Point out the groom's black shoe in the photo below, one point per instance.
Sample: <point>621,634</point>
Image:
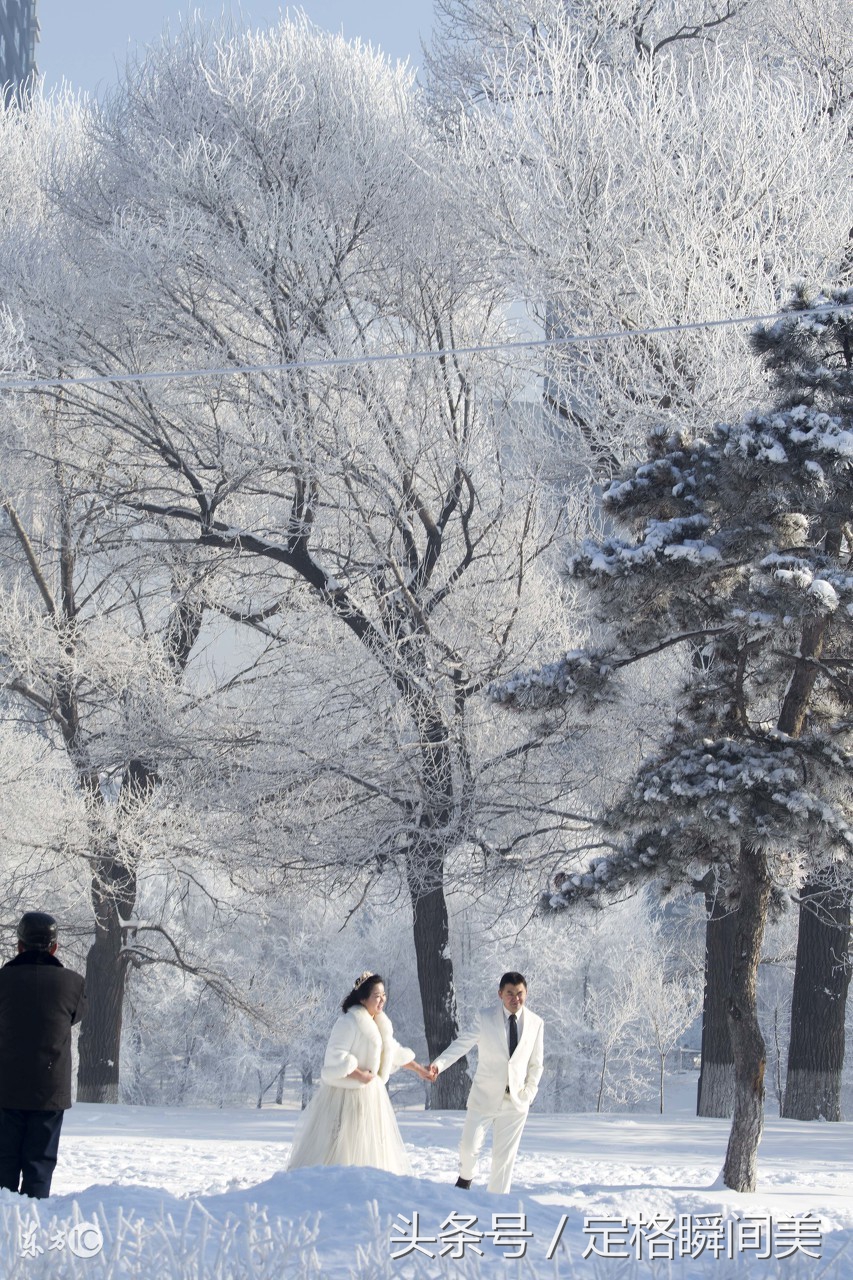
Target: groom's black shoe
<point>465,1183</point>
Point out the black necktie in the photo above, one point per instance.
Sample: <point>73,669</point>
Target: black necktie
<point>513,1034</point>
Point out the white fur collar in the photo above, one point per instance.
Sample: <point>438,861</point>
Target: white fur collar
<point>383,1026</point>
<point>366,1024</point>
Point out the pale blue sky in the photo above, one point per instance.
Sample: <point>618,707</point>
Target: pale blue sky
<point>85,40</point>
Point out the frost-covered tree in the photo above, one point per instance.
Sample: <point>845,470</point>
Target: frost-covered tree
<point>644,178</point>
<point>629,199</point>
<point>93,660</point>
<point>471,37</point>
<point>669,996</point>
<point>810,37</point>
<point>274,201</point>
<point>737,541</point>
<point>97,632</point>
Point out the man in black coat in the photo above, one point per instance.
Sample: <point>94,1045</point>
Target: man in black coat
<point>40,1001</point>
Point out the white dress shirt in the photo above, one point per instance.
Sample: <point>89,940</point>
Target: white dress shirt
<point>519,1022</point>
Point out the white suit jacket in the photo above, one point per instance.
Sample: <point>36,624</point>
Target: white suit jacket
<point>495,1068</point>
<point>357,1040</point>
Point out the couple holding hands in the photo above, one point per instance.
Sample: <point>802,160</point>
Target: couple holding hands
<point>350,1120</point>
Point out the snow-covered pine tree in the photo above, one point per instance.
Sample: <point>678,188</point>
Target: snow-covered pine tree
<point>814,365</point>
<point>738,541</point>
<point>809,366</point>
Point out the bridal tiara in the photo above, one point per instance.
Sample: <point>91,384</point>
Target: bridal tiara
<point>368,973</point>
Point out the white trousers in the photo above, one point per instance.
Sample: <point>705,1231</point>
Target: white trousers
<point>507,1123</point>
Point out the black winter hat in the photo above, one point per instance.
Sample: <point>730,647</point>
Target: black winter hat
<point>37,930</point>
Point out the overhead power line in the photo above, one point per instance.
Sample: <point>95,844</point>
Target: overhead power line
<point>384,357</point>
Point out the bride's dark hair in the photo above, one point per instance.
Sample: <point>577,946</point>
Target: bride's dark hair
<point>361,991</point>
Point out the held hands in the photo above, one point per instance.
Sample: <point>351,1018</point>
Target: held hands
<point>363,1076</point>
<point>425,1073</point>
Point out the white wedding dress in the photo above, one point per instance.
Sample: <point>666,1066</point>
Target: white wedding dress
<point>348,1122</point>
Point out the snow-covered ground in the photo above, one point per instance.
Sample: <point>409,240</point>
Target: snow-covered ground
<point>202,1194</point>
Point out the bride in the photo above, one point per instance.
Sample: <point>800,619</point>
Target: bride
<point>350,1119</point>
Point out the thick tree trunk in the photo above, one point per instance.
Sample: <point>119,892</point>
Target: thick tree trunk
<point>113,891</point>
<point>425,871</point>
<point>716,1090</point>
<point>435,978</point>
<point>739,1170</point>
<point>821,980</point>
<point>816,1051</point>
<point>113,900</point>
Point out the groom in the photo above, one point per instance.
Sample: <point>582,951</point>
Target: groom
<point>509,1040</point>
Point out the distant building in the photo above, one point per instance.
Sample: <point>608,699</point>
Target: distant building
<point>19,31</point>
